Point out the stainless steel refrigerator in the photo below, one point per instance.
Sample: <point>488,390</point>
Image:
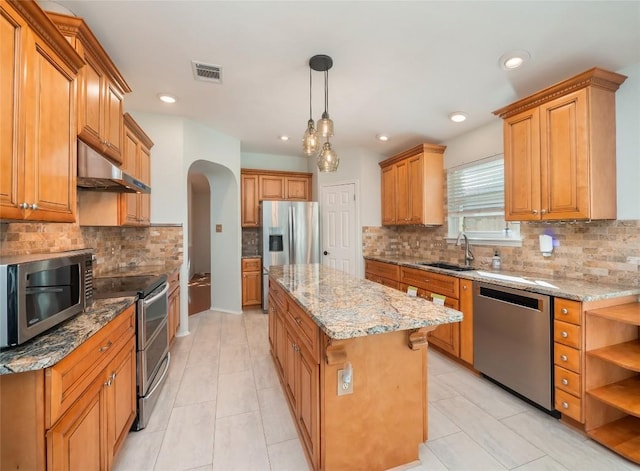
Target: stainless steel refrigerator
<point>289,234</point>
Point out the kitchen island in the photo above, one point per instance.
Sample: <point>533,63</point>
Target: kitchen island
<point>325,324</point>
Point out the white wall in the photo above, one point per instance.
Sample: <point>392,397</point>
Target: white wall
<point>201,229</point>
<point>276,162</point>
<point>487,141</point>
<point>179,143</point>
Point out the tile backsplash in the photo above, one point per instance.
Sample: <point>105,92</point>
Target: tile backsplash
<point>596,251</point>
<point>250,241</point>
<point>115,247</point>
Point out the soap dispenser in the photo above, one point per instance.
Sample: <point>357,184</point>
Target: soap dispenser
<point>496,263</point>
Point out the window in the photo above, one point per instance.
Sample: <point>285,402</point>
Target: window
<point>476,203</point>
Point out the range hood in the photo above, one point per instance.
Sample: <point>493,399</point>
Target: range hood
<point>96,173</point>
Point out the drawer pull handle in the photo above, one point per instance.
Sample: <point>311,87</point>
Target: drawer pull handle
<point>298,321</point>
<point>565,405</point>
<point>564,335</point>
<point>563,357</point>
<point>106,347</point>
<point>564,381</point>
<point>564,310</point>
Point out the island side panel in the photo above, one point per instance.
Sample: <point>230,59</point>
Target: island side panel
<point>382,423</point>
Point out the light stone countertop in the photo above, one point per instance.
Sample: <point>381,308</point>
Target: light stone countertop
<point>345,307</point>
<point>50,347</point>
<point>577,290</point>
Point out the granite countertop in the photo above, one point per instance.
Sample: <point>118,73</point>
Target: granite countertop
<point>345,307</point>
<point>50,347</point>
<point>567,288</point>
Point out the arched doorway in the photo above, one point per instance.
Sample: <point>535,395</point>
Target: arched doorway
<point>199,242</point>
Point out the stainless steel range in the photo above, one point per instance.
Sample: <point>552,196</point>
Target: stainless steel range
<point>152,339</point>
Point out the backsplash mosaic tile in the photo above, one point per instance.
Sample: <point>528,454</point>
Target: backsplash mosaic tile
<point>250,241</point>
<point>596,251</point>
<point>115,247</point>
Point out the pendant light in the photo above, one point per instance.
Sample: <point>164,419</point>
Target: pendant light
<point>310,140</point>
<point>327,158</point>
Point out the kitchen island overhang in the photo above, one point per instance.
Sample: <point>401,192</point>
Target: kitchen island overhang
<point>323,320</point>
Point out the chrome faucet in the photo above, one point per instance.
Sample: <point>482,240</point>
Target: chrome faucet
<point>468,256</point>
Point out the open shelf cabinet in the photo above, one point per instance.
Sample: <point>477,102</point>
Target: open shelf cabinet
<point>613,378</point>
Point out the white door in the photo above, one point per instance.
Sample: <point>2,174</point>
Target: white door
<point>338,208</point>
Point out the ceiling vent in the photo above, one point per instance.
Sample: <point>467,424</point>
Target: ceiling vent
<point>206,72</point>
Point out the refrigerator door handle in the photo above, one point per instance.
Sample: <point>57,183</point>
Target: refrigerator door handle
<point>291,236</point>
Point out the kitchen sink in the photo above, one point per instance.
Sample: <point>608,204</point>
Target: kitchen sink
<point>446,266</point>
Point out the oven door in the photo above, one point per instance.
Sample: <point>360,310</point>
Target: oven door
<point>150,358</point>
<point>152,312</point>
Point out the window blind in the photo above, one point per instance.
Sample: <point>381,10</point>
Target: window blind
<point>477,189</point>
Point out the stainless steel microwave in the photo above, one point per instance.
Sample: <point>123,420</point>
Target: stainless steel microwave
<point>38,292</point>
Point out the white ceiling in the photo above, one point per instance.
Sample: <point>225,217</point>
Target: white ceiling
<point>399,67</point>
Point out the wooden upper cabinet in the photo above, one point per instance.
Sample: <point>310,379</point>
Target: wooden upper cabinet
<point>37,136</point>
<point>135,208</point>
<point>560,150</point>
<point>101,90</point>
<point>258,185</point>
<point>412,186</point>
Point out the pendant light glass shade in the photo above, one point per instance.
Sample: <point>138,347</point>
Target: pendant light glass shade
<point>310,141</point>
<point>325,125</point>
<point>328,160</point>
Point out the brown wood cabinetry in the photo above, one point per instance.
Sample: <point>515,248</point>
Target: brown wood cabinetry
<point>135,208</point>
<point>38,116</point>
<point>331,426</point>
<point>100,91</point>
<point>77,413</point>
<point>386,274</point>
<point>412,186</point>
<point>560,150</point>
<point>251,281</point>
<point>258,185</point>
<point>613,378</point>
<point>174,304</point>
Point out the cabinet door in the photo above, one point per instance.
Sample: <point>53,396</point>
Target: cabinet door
<point>50,139</point>
<point>271,187</point>
<point>564,152</point>
<point>403,193</point>
<point>297,188</point>
<point>415,188</point>
<point>113,122</point>
<point>281,340</point>
<point>388,192</point>
<point>78,440</point>
<point>91,86</point>
<point>290,368</point>
<point>272,323</point>
<point>466,326</point>
<point>308,373</point>
<point>251,288</point>
<point>129,201</point>
<point>12,39</point>
<point>174,313</point>
<point>522,166</point>
<point>144,200</point>
<point>249,199</point>
<point>121,397</point>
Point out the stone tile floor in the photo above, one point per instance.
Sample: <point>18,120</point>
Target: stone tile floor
<point>222,409</point>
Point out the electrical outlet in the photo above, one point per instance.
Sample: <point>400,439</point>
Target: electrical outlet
<point>344,387</point>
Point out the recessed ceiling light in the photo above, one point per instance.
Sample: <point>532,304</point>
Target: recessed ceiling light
<point>458,116</point>
<point>514,59</point>
<point>166,98</point>
<point>283,138</point>
<point>382,137</point>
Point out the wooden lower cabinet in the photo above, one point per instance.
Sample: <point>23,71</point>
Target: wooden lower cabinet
<point>251,281</point>
<point>174,305</point>
<point>372,428</point>
<point>89,430</point>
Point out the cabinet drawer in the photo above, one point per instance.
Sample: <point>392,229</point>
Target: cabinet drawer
<point>305,328</point>
<point>569,405</point>
<point>382,269</point>
<point>67,379</point>
<point>173,280</point>
<point>567,357</point>
<point>433,282</point>
<point>383,281</point>
<point>278,294</point>
<point>251,264</point>
<point>567,334</point>
<point>567,381</point>
<point>567,311</point>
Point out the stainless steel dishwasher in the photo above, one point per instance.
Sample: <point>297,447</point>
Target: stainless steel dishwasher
<point>513,340</point>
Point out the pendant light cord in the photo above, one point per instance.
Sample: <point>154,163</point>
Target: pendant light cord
<point>310,95</point>
<point>326,91</point>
